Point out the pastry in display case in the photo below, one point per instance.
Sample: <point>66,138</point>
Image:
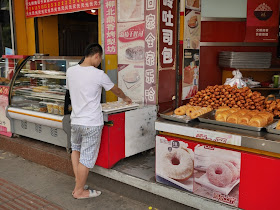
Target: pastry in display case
<point>36,99</point>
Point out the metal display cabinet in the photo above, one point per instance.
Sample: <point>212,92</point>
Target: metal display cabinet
<point>36,99</point>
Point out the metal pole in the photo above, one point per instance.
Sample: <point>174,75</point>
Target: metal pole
<point>11,25</point>
<point>177,56</point>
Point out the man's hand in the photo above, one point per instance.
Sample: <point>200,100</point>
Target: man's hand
<point>119,93</point>
<point>127,100</point>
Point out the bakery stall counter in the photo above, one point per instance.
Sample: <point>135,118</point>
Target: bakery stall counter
<point>239,167</point>
<point>36,99</point>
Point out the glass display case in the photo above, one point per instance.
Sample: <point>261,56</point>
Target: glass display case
<point>36,100</point>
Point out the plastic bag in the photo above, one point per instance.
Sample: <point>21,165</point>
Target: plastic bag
<point>236,80</point>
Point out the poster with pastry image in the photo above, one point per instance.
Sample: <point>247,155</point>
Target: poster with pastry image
<point>131,81</point>
<point>190,73</point>
<point>174,163</point>
<point>192,29</point>
<point>131,45</point>
<point>217,174</point>
<point>193,4</point>
<point>130,10</point>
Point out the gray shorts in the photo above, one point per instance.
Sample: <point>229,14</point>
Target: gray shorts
<point>86,140</point>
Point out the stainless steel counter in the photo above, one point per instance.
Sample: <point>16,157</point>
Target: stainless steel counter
<point>245,138</point>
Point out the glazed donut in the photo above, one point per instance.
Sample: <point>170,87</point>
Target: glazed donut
<point>190,110</point>
<point>235,172</point>
<point>178,164</point>
<point>180,111</point>
<point>219,174</point>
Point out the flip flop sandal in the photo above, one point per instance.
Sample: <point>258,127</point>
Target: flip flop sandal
<point>86,187</point>
<point>92,194</point>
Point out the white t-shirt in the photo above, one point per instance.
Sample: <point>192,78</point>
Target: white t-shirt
<point>85,87</point>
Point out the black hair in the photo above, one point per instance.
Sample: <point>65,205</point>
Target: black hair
<point>91,50</point>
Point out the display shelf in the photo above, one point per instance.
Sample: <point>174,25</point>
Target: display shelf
<point>270,69</point>
<point>45,76</point>
<point>263,88</point>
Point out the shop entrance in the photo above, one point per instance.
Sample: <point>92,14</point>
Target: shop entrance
<point>76,31</point>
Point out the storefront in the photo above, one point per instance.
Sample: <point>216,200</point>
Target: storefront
<point>161,53</point>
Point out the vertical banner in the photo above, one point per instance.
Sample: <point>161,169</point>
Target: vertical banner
<point>110,26</point>
<point>131,48</point>
<point>5,126</point>
<point>192,34</point>
<point>38,8</point>
<point>150,51</point>
<point>167,34</point>
<point>262,21</point>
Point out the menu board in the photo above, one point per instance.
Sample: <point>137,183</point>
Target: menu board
<point>37,8</point>
<point>262,21</point>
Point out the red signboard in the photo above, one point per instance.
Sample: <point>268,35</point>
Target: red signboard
<point>262,21</point>
<point>37,8</point>
<point>150,51</point>
<point>167,34</point>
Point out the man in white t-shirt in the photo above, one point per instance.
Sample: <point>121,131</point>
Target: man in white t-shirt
<point>85,83</point>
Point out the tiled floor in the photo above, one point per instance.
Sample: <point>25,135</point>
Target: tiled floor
<point>15,197</point>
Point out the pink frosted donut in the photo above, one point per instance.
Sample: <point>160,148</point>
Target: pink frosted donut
<point>235,172</point>
<point>219,174</point>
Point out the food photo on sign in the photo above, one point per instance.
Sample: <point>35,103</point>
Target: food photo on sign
<point>190,73</point>
<point>192,29</point>
<point>175,163</point>
<point>130,10</point>
<point>217,174</point>
<point>193,4</point>
<point>131,45</point>
<point>131,81</point>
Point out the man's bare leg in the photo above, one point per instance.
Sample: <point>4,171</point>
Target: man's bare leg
<point>82,174</point>
<point>75,157</point>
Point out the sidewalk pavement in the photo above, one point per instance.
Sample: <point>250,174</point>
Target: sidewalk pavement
<point>27,185</point>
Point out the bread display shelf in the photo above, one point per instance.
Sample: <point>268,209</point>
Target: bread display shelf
<point>45,76</point>
<point>210,118</point>
<point>271,128</point>
<point>176,118</point>
<point>30,94</point>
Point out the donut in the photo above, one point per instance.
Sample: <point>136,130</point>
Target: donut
<point>235,172</point>
<point>178,165</point>
<point>219,174</point>
<point>180,111</point>
<point>190,110</point>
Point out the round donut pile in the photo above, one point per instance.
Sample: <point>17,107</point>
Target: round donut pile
<point>223,173</point>
<point>225,95</point>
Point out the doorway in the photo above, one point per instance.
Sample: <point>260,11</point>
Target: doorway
<point>76,31</point>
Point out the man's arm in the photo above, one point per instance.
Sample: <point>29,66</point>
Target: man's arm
<point>119,93</point>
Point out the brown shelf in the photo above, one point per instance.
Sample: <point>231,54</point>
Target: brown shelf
<point>263,88</point>
<point>270,69</point>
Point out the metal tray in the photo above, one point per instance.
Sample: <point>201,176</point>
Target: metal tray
<point>118,109</point>
<point>171,116</point>
<point>271,128</point>
<point>210,118</point>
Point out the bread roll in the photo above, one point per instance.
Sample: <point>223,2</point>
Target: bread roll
<point>244,119</point>
<point>278,125</point>
<point>222,116</point>
<point>268,116</point>
<point>233,118</point>
<point>257,121</point>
